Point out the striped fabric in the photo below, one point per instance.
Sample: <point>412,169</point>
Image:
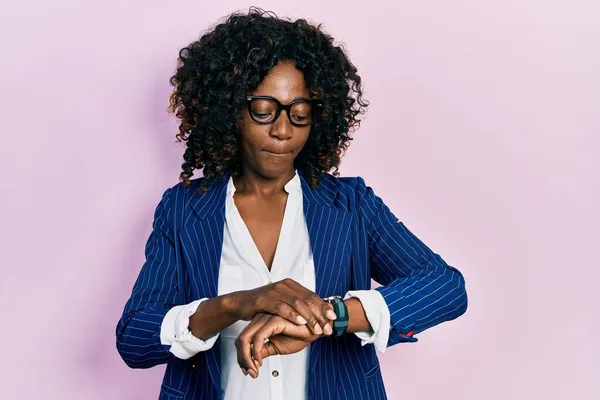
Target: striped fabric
<point>354,237</point>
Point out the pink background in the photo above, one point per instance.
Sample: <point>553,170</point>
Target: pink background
<point>482,137</point>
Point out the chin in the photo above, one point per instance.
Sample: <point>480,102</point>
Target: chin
<point>272,168</point>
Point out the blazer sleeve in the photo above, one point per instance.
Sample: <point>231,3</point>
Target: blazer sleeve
<point>420,289</point>
<point>153,295</point>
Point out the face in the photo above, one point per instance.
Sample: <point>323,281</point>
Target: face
<point>270,150</point>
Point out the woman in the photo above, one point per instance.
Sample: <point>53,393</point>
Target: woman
<point>257,277</point>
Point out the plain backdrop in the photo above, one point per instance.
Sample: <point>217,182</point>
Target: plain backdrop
<point>482,136</point>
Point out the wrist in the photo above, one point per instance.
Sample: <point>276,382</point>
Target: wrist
<point>357,319</point>
<point>340,324</point>
<point>195,322</point>
<point>240,305</point>
<point>231,305</point>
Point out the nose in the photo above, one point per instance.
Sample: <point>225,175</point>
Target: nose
<point>282,128</point>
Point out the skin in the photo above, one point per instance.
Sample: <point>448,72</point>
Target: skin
<point>285,312</point>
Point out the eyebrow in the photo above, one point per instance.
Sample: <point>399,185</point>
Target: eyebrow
<point>282,102</point>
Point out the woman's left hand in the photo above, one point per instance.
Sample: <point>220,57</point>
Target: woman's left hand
<point>284,337</point>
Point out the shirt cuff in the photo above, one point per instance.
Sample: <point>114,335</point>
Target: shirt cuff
<point>174,332</point>
<point>378,315</point>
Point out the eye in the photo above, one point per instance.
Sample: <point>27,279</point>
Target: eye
<point>260,115</point>
<point>299,117</point>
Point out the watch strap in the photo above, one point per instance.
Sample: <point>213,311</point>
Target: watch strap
<point>340,324</point>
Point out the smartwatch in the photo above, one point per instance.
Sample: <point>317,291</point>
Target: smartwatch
<point>340,324</point>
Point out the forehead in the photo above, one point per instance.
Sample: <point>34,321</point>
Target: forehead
<point>284,82</point>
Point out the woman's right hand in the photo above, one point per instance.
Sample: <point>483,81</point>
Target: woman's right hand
<point>290,300</point>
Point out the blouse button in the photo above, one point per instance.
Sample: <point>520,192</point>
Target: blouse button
<point>275,374</point>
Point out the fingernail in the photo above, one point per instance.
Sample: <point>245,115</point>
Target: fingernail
<point>331,314</point>
<point>318,329</point>
<point>301,320</point>
<point>244,372</point>
<point>327,329</point>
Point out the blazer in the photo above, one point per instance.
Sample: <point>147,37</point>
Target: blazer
<point>354,237</point>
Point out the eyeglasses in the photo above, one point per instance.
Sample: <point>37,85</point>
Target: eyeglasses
<point>266,109</point>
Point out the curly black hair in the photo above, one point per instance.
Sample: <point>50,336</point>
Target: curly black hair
<point>216,73</point>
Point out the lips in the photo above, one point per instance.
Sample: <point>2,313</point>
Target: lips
<point>278,153</point>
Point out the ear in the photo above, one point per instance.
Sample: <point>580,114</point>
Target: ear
<point>239,124</point>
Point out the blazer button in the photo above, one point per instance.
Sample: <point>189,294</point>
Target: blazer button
<point>275,374</point>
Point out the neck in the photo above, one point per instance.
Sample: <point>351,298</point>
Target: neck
<point>251,182</point>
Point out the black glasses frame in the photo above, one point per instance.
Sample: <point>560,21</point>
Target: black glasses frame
<point>287,107</point>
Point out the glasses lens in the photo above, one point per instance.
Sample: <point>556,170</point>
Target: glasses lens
<point>263,110</point>
<point>301,113</point>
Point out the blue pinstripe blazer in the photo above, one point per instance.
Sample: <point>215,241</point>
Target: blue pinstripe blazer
<point>354,237</point>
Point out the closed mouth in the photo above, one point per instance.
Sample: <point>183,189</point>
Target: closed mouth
<point>278,153</point>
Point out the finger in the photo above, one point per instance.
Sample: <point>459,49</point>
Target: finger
<point>270,349</point>
<point>243,342</point>
<point>300,305</point>
<point>285,311</point>
<point>286,300</point>
<point>319,309</point>
<point>273,327</point>
<point>253,374</point>
<point>329,311</point>
<point>279,304</point>
<point>317,312</point>
<point>255,351</point>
